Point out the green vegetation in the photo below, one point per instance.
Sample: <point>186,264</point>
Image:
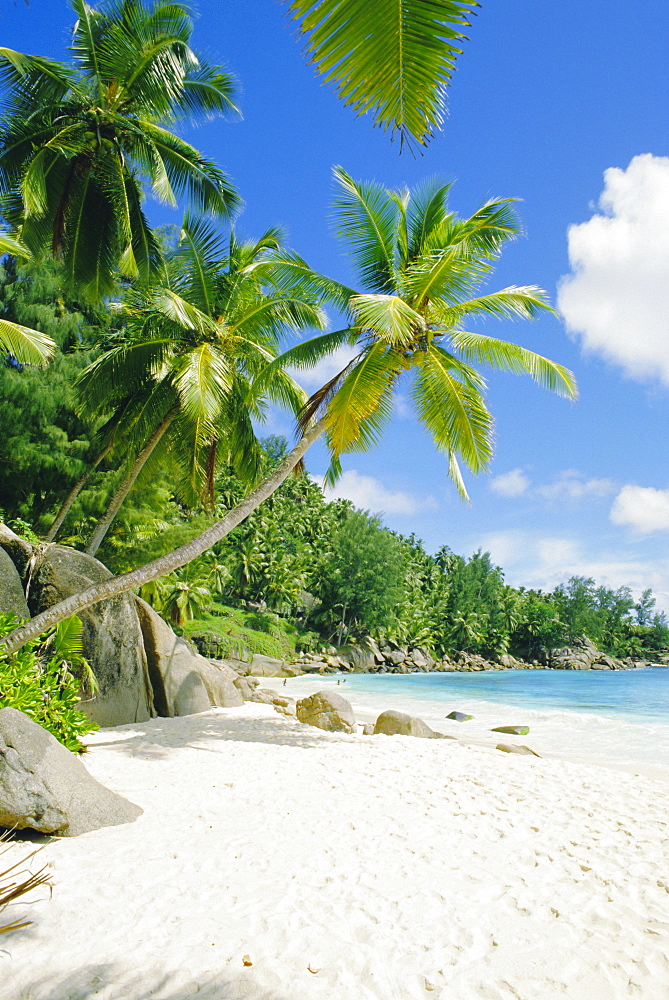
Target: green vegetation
<point>241,632</point>
<point>44,679</point>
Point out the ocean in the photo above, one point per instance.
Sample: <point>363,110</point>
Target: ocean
<point>619,718</point>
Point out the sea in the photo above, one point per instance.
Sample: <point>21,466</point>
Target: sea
<point>617,718</point>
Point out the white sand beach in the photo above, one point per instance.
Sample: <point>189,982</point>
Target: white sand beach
<point>274,861</point>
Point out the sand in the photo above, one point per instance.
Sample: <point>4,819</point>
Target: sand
<point>277,862</point>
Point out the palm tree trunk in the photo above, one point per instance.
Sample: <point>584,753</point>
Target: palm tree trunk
<point>73,494</point>
<point>105,522</point>
<point>165,564</point>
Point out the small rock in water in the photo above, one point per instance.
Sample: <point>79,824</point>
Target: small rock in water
<point>516,748</point>
<point>459,716</point>
<point>512,730</point>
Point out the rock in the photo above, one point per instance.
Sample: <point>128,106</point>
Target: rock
<point>246,686</point>
<point>397,657</point>
<point>516,748</point>
<point>512,730</point>
<point>183,682</point>
<point>45,787</point>
<point>266,666</point>
<point>12,598</point>
<point>459,716</point>
<point>327,710</point>
<point>112,638</point>
<point>581,655</point>
<point>219,680</point>
<point>393,723</point>
<point>368,729</point>
<point>18,549</point>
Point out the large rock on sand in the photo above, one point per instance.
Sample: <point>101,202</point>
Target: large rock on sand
<point>112,637</point>
<point>12,598</point>
<point>45,787</point>
<point>327,710</point>
<point>393,723</point>
<point>183,682</point>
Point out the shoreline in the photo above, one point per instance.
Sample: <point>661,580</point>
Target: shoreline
<point>561,734</point>
<point>274,861</point>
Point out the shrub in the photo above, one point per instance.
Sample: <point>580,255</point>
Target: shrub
<point>44,678</point>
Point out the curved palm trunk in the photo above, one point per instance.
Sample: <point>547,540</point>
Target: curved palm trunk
<point>105,522</point>
<point>73,494</point>
<point>165,564</point>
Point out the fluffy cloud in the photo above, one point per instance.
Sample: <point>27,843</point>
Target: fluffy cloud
<point>370,494</point>
<point>510,484</point>
<point>534,560</point>
<point>642,508</point>
<point>617,298</point>
<point>572,485</point>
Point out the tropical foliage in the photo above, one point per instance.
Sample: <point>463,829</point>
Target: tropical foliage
<point>76,139</point>
<point>183,372</point>
<point>44,680</point>
<point>392,60</point>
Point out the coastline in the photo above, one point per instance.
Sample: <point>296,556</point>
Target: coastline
<point>339,866</point>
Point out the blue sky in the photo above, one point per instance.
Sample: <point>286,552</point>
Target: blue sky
<point>560,105</point>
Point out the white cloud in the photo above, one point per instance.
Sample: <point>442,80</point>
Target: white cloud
<point>617,297</point>
<point>642,508</point>
<point>324,370</point>
<point>370,494</point>
<point>510,484</point>
<point>572,485</point>
<point>533,560</point>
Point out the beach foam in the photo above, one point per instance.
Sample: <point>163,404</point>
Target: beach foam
<point>349,868</point>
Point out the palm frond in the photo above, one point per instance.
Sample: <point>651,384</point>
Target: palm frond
<point>449,401</point>
<point>28,346</point>
<point>388,317</point>
<point>393,60</point>
<point>366,218</point>
<point>504,356</point>
<point>362,403</point>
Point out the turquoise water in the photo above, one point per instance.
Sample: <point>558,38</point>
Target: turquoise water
<point>632,695</point>
<point>600,716</point>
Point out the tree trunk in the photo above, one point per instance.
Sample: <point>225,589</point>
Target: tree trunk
<point>165,564</point>
<point>73,494</point>
<point>105,522</point>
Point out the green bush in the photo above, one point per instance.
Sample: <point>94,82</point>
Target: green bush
<point>238,632</point>
<point>40,679</point>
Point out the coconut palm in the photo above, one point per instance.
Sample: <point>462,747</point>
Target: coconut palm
<point>77,142</point>
<point>394,60</point>
<point>183,376</point>
<point>420,265</point>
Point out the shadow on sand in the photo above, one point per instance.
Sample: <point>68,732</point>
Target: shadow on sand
<point>110,982</point>
<point>157,737</point>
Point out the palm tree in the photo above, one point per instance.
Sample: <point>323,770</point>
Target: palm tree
<point>394,60</point>
<point>77,141</point>
<point>184,374</point>
<point>420,264</point>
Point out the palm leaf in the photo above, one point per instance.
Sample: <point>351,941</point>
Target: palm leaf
<point>366,218</point>
<point>10,244</point>
<point>394,60</point>
<point>362,403</point>
<point>389,318</point>
<point>28,346</point>
<point>509,357</point>
<point>449,401</point>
